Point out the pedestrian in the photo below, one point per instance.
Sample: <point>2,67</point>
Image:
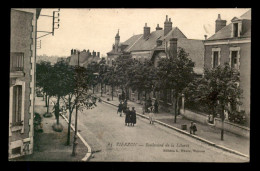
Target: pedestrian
<point>124,105</point>
<point>191,127</point>
<point>127,116</point>
<point>151,115</point>
<point>120,109</point>
<point>149,102</point>
<point>123,95</point>
<point>194,128</point>
<point>143,107</point>
<point>156,105</point>
<point>133,116</point>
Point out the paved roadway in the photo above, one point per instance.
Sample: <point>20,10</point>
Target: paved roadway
<point>104,130</point>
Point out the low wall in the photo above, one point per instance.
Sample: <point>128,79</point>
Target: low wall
<point>228,126</point>
<point>234,128</point>
<point>201,118</point>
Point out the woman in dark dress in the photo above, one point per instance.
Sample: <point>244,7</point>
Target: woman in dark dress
<point>133,116</point>
<point>127,116</point>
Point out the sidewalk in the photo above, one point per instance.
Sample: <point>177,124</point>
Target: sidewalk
<point>51,144</point>
<point>210,133</point>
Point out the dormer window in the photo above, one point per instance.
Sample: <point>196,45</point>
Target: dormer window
<point>235,30</point>
<point>236,27</point>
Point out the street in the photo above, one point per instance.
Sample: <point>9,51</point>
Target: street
<point>106,133</point>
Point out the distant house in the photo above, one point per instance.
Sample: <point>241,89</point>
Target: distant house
<point>83,58</point>
<point>232,44</point>
<point>22,80</point>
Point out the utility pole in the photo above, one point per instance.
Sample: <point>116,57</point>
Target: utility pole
<point>75,143</point>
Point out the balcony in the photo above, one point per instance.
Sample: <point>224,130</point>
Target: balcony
<point>16,64</point>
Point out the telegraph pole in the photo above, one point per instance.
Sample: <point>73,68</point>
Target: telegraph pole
<point>75,143</point>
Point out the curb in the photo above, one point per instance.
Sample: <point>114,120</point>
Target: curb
<point>89,153</point>
<point>186,133</point>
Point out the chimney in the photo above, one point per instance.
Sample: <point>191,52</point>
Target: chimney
<point>146,31</point>
<point>205,36</point>
<point>220,23</point>
<point>173,48</point>
<point>94,53</point>
<point>98,54</point>
<point>158,28</point>
<point>167,25</point>
<point>158,42</point>
<point>71,52</point>
<point>75,52</point>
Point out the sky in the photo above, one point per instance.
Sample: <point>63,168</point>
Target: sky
<point>95,29</point>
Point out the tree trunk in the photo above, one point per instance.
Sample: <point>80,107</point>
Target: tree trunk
<point>70,113</point>
<point>222,124</point>
<point>48,104</point>
<point>101,89</point>
<point>176,105</point>
<point>112,92</point>
<point>68,137</point>
<point>58,103</point>
<point>43,96</point>
<point>93,89</point>
<point>105,89</point>
<point>145,95</point>
<point>75,143</point>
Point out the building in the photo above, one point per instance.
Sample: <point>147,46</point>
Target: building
<point>160,43</point>
<point>22,80</point>
<point>155,45</point>
<point>232,44</point>
<point>85,57</point>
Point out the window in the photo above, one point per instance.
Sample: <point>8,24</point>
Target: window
<point>235,30</point>
<point>215,59</point>
<point>16,61</point>
<point>16,151</point>
<point>17,105</point>
<point>234,59</point>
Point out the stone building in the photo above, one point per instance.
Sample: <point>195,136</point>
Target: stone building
<point>22,80</point>
<point>232,44</point>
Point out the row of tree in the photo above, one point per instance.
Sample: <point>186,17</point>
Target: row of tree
<point>69,84</point>
<point>217,89</point>
<point>218,86</point>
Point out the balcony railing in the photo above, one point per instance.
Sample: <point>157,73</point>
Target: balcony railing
<point>16,61</point>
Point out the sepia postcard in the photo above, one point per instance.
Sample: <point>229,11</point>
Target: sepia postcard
<point>130,85</point>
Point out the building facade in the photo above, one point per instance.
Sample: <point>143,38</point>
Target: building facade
<point>22,80</point>
<point>232,44</point>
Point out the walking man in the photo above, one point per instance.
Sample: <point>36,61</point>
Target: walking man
<point>120,109</point>
<point>151,115</point>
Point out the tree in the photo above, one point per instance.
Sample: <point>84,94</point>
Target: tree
<point>175,74</point>
<point>123,66</point>
<point>110,78</point>
<point>143,76</point>
<point>60,73</point>
<point>44,80</point>
<point>92,72</point>
<point>220,86</point>
<point>77,85</point>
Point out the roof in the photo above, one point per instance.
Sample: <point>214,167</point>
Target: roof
<point>150,43</point>
<point>195,48</point>
<point>246,15</point>
<point>225,32</point>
